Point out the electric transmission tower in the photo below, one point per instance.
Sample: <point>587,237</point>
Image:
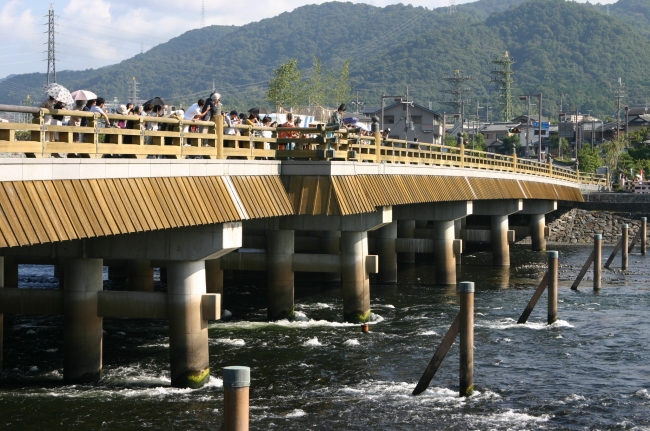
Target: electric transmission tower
<point>502,75</point>
<point>133,90</point>
<point>202,13</point>
<point>458,92</point>
<point>452,7</point>
<point>51,47</point>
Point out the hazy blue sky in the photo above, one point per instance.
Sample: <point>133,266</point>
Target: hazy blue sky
<point>94,33</point>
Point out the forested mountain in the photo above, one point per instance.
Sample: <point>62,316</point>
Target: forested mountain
<point>558,47</point>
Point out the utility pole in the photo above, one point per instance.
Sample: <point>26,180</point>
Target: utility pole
<point>627,120</point>
<point>458,91</point>
<point>502,75</point>
<point>451,8</point>
<point>562,96</point>
<point>134,91</point>
<point>477,124</point>
<point>358,104</point>
<point>619,95</point>
<point>51,47</point>
<point>407,118</point>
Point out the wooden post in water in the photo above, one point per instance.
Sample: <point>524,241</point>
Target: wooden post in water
<point>236,385</point>
<point>552,286</point>
<point>644,234</point>
<point>466,328</point>
<point>624,246</point>
<point>598,260</point>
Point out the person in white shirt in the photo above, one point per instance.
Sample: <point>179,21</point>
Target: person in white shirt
<point>99,108</point>
<point>193,113</point>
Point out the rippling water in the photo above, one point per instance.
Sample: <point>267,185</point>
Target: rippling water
<point>590,370</point>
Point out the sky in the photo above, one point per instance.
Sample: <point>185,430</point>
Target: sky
<point>96,33</point>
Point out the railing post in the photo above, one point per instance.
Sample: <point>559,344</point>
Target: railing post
<point>514,160</point>
<point>598,260</point>
<point>218,129</point>
<point>461,148</point>
<point>550,167</point>
<point>378,147</point>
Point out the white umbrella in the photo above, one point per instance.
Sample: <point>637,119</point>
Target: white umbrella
<point>60,93</point>
<point>83,95</point>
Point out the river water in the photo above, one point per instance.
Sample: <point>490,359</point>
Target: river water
<point>589,370</point>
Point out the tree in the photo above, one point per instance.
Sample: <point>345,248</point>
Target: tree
<point>590,160</point>
<point>286,88</point>
<point>478,142</point>
<point>560,144</point>
<point>341,85</point>
<point>511,143</point>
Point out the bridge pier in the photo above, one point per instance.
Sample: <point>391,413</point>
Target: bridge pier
<point>406,229</point>
<point>214,276</point>
<point>443,256</point>
<point>10,272</point>
<point>330,244</point>
<point>538,210</point>
<point>188,331</point>
<point>82,327</point>
<point>140,275</point>
<point>280,275</point>
<point>386,237</point>
<point>499,211</point>
<point>118,271</point>
<point>355,277</point>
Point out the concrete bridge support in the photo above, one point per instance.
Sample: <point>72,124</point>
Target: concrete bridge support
<point>10,272</point>
<point>82,327</point>
<point>330,244</point>
<point>406,229</point>
<point>280,275</point>
<point>188,330</point>
<point>118,271</point>
<point>386,237</point>
<point>356,280</point>
<point>214,275</point>
<point>538,210</point>
<point>499,211</point>
<point>140,275</point>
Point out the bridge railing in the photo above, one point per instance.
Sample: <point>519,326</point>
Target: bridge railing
<point>170,137</point>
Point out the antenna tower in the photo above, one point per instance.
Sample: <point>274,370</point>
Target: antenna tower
<point>452,7</point>
<point>202,13</point>
<point>502,75</point>
<point>134,91</point>
<point>457,92</point>
<point>51,47</point>
<point>620,93</point>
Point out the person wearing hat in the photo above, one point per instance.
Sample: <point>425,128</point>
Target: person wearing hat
<point>336,120</point>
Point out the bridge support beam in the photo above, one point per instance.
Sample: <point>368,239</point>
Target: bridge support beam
<point>356,281</point>
<point>140,276</point>
<point>330,244</point>
<point>214,278</point>
<point>188,330</point>
<point>386,238</point>
<point>537,210</point>
<point>280,275</point>
<point>82,328</point>
<point>499,211</point>
<point>406,229</point>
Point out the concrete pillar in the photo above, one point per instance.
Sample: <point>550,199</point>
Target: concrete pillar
<point>537,238</point>
<point>140,275</point>
<point>443,249</point>
<point>188,331</point>
<point>356,281</point>
<point>2,331</point>
<point>59,273</point>
<point>406,229</point>
<point>10,272</point>
<point>386,237</point>
<point>500,246</point>
<point>280,276</point>
<point>118,272</point>
<point>214,279</point>
<point>330,244</point>
<point>82,328</point>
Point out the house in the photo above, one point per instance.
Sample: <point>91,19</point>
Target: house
<point>426,124</point>
<point>496,132</point>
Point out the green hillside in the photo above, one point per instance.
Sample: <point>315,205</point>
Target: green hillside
<point>558,47</point>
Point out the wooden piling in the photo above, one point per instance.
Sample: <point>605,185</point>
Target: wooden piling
<point>614,252</point>
<point>624,246</point>
<point>644,234</point>
<point>236,386</point>
<point>533,301</point>
<point>466,329</point>
<point>552,286</point>
<point>598,260</point>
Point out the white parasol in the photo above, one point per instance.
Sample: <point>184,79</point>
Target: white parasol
<point>60,93</point>
<point>83,95</point>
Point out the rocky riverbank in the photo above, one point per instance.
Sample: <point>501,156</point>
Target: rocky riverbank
<point>578,226</point>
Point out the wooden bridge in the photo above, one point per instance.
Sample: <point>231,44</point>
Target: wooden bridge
<point>323,208</point>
